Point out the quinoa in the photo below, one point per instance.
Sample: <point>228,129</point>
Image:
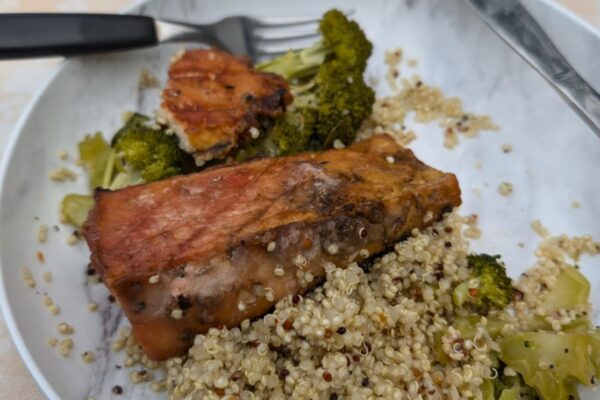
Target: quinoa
<point>62,174</point>
<point>147,80</point>
<point>505,188</point>
<point>42,235</point>
<point>27,276</point>
<point>47,276</point>
<point>426,103</point>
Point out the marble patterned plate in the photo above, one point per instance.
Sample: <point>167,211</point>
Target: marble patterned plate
<point>555,161</point>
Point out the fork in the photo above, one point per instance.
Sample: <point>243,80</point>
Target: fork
<point>36,35</point>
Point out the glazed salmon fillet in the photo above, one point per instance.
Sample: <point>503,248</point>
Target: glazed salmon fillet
<point>213,248</point>
<point>213,99</point>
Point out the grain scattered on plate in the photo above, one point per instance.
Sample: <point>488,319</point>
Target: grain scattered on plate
<point>140,376</point>
<point>63,155</point>
<point>505,188</point>
<point>65,346</point>
<point>540,229</point>
<point>50,305</point>
<point>65,329</point>
<point>72,239</point>
<point>42,235</point>
<point>506,148</point>
<point>93,306</point>
<point>52,341</point>
<point>47,276</point>
<point>62,174</point>
<point>88,357</point>
<point>40,256</point>
<point>393,59</point>
<point>147,80</point>
<point>427,104</point>
<point>27,277</point>
<point>412,62</point>
<point>575,204</point>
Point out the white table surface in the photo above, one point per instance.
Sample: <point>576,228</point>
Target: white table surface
<point>20,80</point>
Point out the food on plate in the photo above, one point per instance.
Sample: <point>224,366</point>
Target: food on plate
<point>393,330</point>
<point>225,244</point>
<point>331,98</point>
<point>213,100</point>
<point>259,263</point>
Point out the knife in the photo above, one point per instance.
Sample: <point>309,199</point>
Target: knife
<point>512,22</point>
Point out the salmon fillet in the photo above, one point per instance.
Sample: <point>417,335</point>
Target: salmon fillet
<point>216,247</point>
<point>213,99</point>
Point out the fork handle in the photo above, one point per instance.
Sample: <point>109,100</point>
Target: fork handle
<point>37,35</point>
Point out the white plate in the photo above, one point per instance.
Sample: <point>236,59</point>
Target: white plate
<point>555,159</point>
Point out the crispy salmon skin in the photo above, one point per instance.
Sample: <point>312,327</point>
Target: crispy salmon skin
<point>213,99</point>
<point>216,247</point>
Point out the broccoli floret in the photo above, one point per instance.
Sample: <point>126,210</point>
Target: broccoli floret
<point>152,152</point>
<point>551,362</point>
<point>489,286</point>
<point>331,99</point>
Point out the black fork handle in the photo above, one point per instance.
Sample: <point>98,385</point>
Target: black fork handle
<point>38,35</point>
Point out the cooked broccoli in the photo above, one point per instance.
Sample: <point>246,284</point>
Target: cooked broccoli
<point>152,152</point>
<point>570,290</point>
<point>507,388</point>
<point>553,363</point>
<point>331,99</point>
<point>489,286</point>
<point>76,207</point>
<point>138,154</point>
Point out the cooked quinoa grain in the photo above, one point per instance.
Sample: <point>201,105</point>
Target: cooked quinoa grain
<point>88,357</point>
<point>42,233</point>
<point>505,188</point>
<point>65,346</point>
<point>62,174</point>
<point>47,277</point>
<point>27,277</point>
<point>63,155</point>
<point>65,329</point>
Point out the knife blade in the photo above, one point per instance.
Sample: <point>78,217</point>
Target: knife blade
<point>510,20</point>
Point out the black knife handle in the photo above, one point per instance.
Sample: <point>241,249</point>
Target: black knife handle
<point>36,35</point>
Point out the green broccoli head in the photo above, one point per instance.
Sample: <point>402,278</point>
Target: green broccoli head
<point>344,101</point>
<point>331,99</point>
<point>152,152</point>
<point>489,286</point>
<point>346,39</point>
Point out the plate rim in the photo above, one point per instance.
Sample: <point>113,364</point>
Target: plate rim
<point>15,334</point>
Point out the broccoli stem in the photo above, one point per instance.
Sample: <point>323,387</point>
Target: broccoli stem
<point>296,65</point>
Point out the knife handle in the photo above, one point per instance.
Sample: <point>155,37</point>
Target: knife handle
<point>36,35</point>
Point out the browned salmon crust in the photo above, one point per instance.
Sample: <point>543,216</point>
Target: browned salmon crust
<point>213,98</point>
<point>225,244</point>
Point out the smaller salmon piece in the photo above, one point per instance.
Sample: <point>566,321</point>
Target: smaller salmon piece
<point>213,99</point>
